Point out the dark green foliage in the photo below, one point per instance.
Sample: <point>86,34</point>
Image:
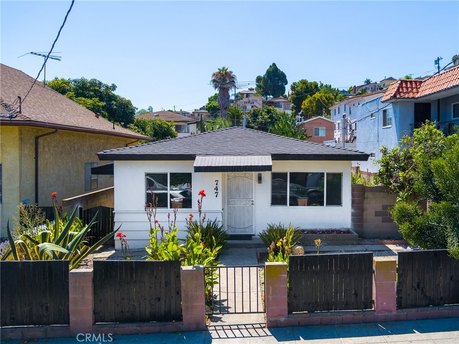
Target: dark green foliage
<point>97,97</point>
<point>211,233</point>
<point>212,105</point>
<point>301,90</point>
<point>285,125</point>
<point>157,129</point>
<point>424,171</point>
<point>272,83</point>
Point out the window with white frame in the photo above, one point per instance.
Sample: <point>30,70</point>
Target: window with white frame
<point>387,118</point>
<point>319,131</point>
<point>168,190</point>
<point>455,112</point>
<point>306,189</point>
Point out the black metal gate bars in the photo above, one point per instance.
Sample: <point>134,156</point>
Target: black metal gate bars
<point>236,289</point>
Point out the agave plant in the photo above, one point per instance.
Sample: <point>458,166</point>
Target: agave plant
<point>61,240</point>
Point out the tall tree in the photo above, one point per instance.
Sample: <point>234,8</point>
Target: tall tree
<point>272,83</point>
<point>157,129</point>
<point>212,105</point>
<point>223,80</point>
<point>299,91</point>
<point>97,97</point>
<point>318,104</point>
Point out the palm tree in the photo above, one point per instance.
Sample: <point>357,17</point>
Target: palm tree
<point>223,80</point>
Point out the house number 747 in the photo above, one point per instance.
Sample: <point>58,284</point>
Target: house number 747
<point>216,188</point>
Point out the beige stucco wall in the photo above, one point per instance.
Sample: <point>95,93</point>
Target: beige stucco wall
<point>62,156</point>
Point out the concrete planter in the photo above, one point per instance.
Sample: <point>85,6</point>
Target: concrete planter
<point>347,237</point>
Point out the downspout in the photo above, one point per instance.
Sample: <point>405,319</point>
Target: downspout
<point>37,138</point>
<point>438,113</point>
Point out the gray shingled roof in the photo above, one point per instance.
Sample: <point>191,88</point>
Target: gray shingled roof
<point>45,107</point>
<point>235,141</point>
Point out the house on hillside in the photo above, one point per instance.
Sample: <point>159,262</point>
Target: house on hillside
<point>200,115</point>
<point>262,179</point>
<point>281,104</point>
<point>384,117</point>
<point>249,100</point>
<point>49,143</point>
<point>435,99</point>
<point>320,129</point>
<point>362,116</point>
<point>184,126</point>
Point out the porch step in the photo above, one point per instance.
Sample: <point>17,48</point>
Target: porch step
<point>253,242</point>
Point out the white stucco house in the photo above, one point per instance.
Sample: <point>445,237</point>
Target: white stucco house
<point>251,179</point>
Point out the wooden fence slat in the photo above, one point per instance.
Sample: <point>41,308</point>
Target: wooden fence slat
<point>427,278</point>
<point>328,282</point>
<point>34,292</point>
<point>137,291</point>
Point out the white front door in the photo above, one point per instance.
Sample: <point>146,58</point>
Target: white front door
<point>239,203</point>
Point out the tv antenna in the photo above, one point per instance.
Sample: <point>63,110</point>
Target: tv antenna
<point>44,55</point>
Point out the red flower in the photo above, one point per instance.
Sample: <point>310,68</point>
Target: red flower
<point>120,235</point>
<point>202,193</point>
<point>53,195</point>
<point>190,215</point>
<point>156,221</point>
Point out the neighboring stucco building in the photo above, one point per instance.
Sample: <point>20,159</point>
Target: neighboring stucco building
<point>262,179</point>
<point>384,117</point>
<point>48,143</point>
<point>281,104</point>
<point>319,129</point>
<point>250,100</point>
<point>184,126</point>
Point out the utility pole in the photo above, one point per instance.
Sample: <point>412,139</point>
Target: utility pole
<point>437,63</point>
<point>343,131</point>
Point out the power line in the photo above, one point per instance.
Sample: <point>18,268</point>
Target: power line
<point>51,50</point>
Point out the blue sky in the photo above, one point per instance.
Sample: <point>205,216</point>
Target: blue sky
<point>163,53</point>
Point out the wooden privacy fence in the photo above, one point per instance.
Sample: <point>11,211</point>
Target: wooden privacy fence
<point>102,227</point>
<point>326,282</point>
<point>427,278</point>
<point>137,291</point>
<point>34,292</point>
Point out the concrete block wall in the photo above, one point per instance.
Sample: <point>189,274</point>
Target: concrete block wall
<point>370,212</point>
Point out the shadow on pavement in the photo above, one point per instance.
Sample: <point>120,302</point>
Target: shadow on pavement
<point>365,330</point>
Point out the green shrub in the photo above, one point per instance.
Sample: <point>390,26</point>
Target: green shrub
<point>275,232</point>
<point>211,233</point>
<point>64,239</point>
<point>280,240</point>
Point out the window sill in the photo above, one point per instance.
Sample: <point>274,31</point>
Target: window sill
<point>387,127</point>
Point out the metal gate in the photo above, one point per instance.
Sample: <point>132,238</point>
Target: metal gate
<point>234,289</point>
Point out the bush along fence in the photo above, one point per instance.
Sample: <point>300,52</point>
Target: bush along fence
<point>44,299</point>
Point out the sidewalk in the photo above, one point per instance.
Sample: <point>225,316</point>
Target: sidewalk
<point>438,331</point>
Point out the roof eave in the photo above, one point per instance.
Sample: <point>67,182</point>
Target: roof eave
<point>30,123</point>
<point>283,157</point>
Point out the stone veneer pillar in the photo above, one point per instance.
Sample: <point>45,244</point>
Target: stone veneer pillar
<point>193,298</point>
<point>81,300</point>
<point>276,292</point>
